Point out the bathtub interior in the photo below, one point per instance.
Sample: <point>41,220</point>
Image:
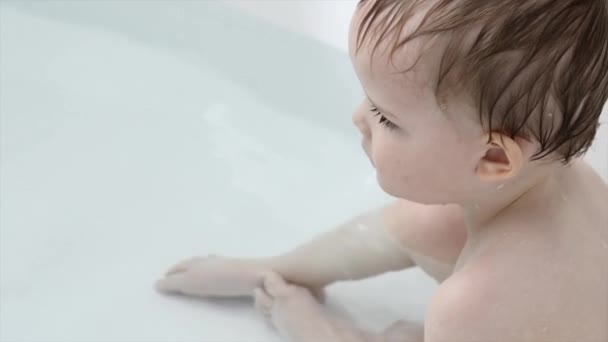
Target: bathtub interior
<point>134,134</point>
<point>127,145</point>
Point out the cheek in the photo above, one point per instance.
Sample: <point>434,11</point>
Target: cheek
<point>420,170</point>
<point>401,154</point>
<point>395,160</point>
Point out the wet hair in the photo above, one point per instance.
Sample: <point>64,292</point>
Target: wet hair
<point>534,68</point>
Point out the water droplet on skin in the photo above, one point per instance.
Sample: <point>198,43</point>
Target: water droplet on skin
<point>550,115</point>
<point>500,186</point>
<point>443,106</point>
<point>544,329</point>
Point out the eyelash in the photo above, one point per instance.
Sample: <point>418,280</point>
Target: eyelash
<point>383,120</point>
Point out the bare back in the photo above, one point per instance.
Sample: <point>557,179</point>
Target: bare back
<point>545,261</point>
<point>550,254</point>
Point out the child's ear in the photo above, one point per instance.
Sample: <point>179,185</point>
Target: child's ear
<point>502,159</point>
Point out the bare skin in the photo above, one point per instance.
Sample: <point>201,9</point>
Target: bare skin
<point>520,250</point>
<point>546,279</point>
<point>542,279</point>
<point>536,272</point>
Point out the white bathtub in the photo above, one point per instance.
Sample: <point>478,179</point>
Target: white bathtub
<point>137,133</point>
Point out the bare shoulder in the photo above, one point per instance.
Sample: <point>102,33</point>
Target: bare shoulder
<point>582,179</point>
<point>538,275</point>
<point>468,307</point>
<point>584,199</point>
<point>435,231</point>
<point>519,287</point>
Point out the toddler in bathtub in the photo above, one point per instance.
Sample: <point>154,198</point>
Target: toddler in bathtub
<point>475,116</point>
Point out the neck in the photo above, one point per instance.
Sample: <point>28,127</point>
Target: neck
<point>502,199</point>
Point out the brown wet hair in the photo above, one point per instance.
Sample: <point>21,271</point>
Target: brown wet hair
<point>534,68</point>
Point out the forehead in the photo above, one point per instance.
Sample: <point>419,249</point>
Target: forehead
<point>414,65</point>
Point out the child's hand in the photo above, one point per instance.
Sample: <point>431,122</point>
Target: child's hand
<point>212,276</point>
<point>292,309</point>
<point>216,276</point>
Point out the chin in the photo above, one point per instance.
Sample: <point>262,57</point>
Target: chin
<point>395,191</point>
<point>408,193</point>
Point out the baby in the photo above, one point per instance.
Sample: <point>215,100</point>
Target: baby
<point>475,116</point>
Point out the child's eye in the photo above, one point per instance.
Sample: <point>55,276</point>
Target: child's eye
<point>383,120</point>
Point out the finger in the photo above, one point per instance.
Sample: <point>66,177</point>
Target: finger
<point>181,266</point>
<point>176,270</point>
<point>173,284</point>
<point>263,302</point>
<point>274,284</point>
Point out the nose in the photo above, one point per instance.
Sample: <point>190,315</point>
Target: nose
<point>360,121</point>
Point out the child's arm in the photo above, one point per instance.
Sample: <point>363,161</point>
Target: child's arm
<point>360,248</point>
